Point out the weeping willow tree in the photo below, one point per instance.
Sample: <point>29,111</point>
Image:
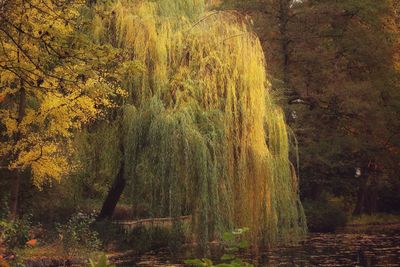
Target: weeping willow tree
<point>202,136</point>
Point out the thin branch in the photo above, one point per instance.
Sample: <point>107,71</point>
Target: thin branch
<point>203,19</point>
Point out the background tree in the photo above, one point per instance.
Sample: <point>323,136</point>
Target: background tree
<point>51,84</point>
<point>335,67</point>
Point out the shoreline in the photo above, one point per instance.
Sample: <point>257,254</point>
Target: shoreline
<point>129,256</point>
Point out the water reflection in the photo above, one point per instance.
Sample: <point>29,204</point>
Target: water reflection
<point>338,250</point>
<point>318,250</point>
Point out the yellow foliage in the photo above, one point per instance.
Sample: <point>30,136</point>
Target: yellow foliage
<point>190,60</point>
<point>49,83</point>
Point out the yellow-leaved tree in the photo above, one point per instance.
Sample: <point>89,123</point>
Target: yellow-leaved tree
<point>52,81</point>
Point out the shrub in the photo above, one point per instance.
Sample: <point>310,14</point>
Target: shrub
<point>324,216</point>
<point>101,262</point>
<point>4,209</point>
<point>110,234</point>
<point>143,239</point>
<point>77,235</point>
<point>15,233</point>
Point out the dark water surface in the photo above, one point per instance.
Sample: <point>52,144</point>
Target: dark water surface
<point>379,249</point>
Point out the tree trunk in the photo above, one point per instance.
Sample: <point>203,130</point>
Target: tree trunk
<point>361,195</point>
<point>14,195</point>
<point>114,194</point>
<point>16,183</point>
<point>371,203</point>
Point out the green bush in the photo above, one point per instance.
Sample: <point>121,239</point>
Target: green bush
<point>101,262</point>
<point>77,234</point>
<point>4,209</point>
<point>144,239</point>
<point>15,233</point>
<point>324,216</point>
<point>140,239</point>
<point>110,233</point>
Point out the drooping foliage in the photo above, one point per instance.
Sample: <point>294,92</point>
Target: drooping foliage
<point>202,136</point>
<point>336,66</point>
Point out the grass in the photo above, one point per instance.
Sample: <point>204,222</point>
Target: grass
<point>42,251</point>
<point>54,251</point>
<point>379,218</point>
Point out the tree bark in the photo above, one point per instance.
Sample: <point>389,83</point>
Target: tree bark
<point>14,196</point>
<point>15,184</point>
<point>361,195</point>
<point>114,194</point>
<point>372,195</point>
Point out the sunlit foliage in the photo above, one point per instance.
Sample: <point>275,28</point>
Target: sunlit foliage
<point>50,84</point>
<point>201,134</point>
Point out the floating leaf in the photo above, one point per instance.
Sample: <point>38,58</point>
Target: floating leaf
<point>195,262</point>
<point>226,257</point>
<point>228,236</point>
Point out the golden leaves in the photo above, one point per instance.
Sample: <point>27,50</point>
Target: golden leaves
<point>49,75</point>
<point>10,124</point>
<point>191,71</point>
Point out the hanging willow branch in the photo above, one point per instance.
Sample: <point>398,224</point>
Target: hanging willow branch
<point>202,135</point>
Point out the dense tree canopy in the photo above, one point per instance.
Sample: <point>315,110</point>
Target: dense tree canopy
<point>52,83</point>
<point>201,133</point>
<point>335,65</point>
<point>206,109</point>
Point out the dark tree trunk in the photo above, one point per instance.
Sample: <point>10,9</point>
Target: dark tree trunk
<point>362,195</point>
<point>114,194</point>
<point>372,195</point>
<point>367,194</point>
<point>16,183</point>
<point>14,195</point>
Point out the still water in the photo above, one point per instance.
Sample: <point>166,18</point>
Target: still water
<point>332,249</point>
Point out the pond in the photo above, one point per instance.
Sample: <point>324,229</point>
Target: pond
<point>331,249</point>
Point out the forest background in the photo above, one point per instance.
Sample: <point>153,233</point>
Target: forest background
<point>334,67</point>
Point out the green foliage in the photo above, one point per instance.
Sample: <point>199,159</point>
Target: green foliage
<point>77,236</point>
<point>101,262</point>
<point>143,239</point>
<point>336,65</point>
<point>15,233</point>
<point>324,216</point>
<point>97,153</point>
<point>200,133</point>
<point>375,219</point>
<point>233,242</point>
<point>4,209</point>
<point>110,233</point>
